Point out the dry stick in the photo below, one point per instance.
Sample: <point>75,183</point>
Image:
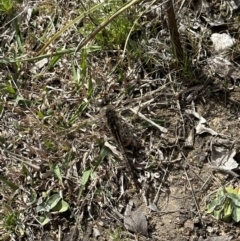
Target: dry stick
<point>194,197</point>
<point>88,14</point>
<point>162,129</point>
<point>147,95</point>
<point>59,233</point>
<point>104,24</point>
<point>27,160</point>
<point>205,183</point>
<point>175,36</point>
<point>165,173</point>
<point>156,198</point>
<point>179,107</point>
<point>221,169</point>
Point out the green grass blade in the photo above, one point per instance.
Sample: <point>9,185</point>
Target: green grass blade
<point>10,184</point>
<point>55,36</point>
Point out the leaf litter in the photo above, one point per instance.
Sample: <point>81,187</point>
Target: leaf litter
<point>46,122</point>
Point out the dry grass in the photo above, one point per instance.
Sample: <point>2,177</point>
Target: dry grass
<point>59,170</point>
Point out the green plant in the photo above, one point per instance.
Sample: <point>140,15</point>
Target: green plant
<point>226,205</point>
<point>9,220</point>
<point>53,204</point>
<point>115,235</point>
<point>6,6</point>
<point>8,89</point>
<point>88,172</point>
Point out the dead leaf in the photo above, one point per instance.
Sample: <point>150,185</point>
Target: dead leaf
<point>224,68</point>
<point>223,158</point>
<point>200,129</point>
<point>222,42</point>
<point>195,114</point>
<point>136,222</point>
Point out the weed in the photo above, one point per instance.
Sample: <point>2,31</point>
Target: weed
<point>226,205</point>
<point>115,235</point>
<point>6,6</point>
<point>53,204</point>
